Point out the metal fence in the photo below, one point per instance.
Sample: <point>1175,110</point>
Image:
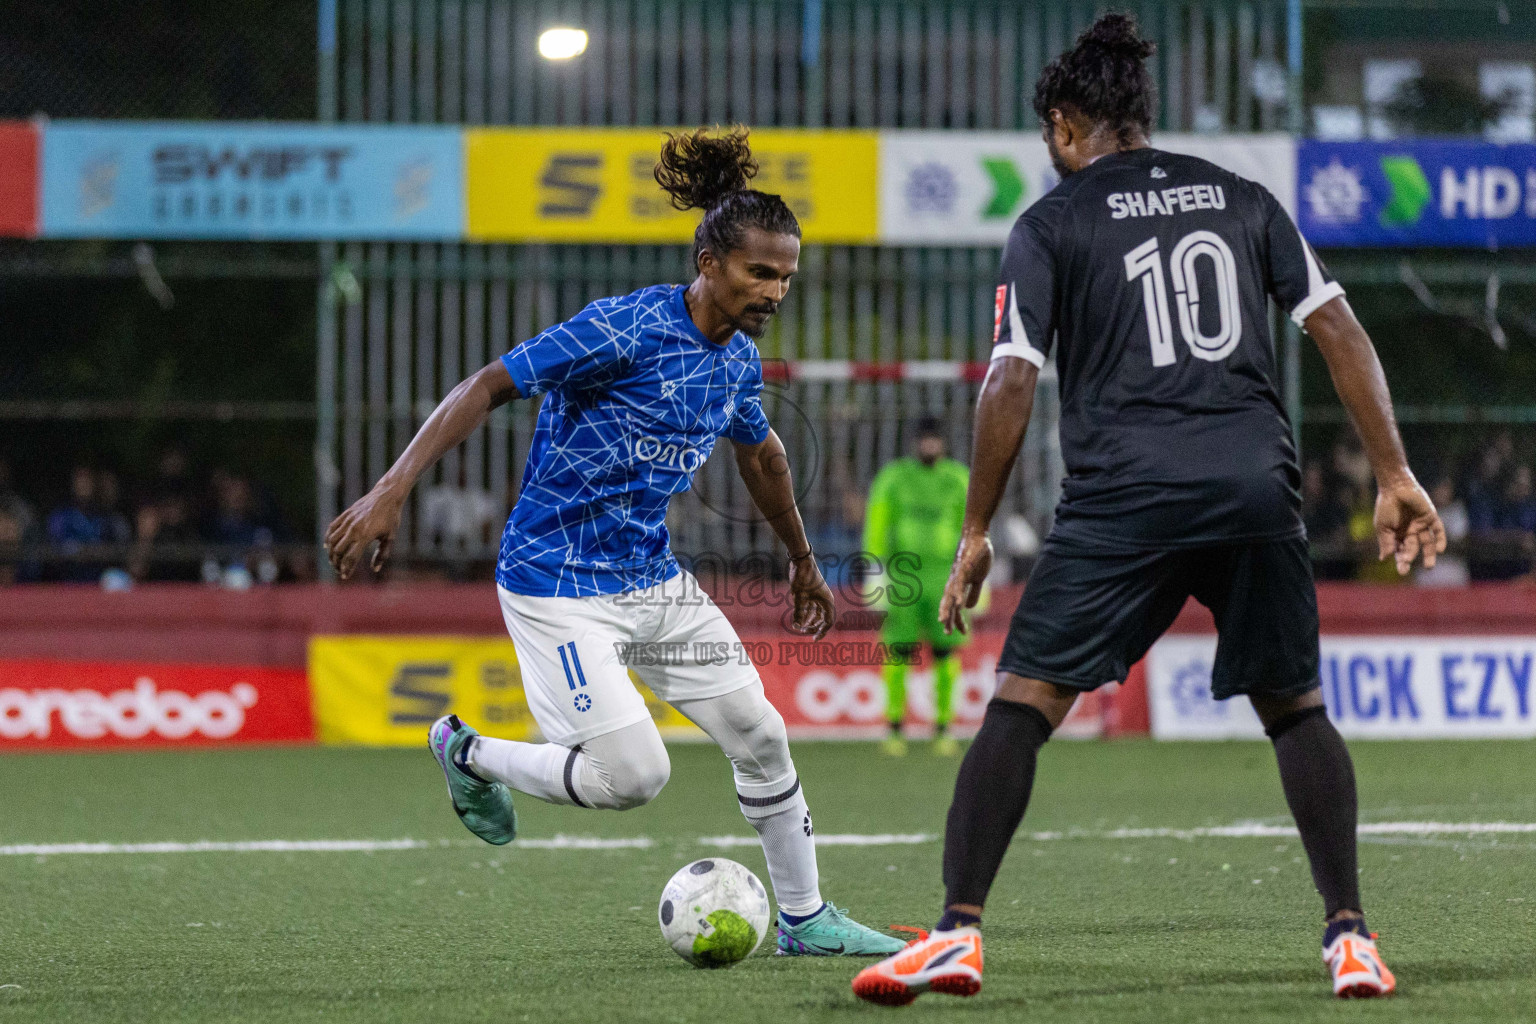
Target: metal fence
<point>400,324</point>
<point>419,318</point>
<point>838,63</point>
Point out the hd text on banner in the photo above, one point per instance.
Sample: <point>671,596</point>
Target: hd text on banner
<point>384,691</point>
<point>103,179</point>
<point>1385,687</point>
<point>561,185</point>
<point>48,703</point>
<point>1439,193</point>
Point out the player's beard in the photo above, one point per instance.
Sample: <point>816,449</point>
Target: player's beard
<point>1056,160</point>
<point>751,326</point>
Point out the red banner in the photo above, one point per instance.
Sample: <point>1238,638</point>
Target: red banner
<point>18,179</point>
<point>833,687</point>
<point>99,704</point>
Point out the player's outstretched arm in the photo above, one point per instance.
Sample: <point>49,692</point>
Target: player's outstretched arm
<point>376,515</point>
<point>764,468</point>
<point>1002,414</point>
<point>1407,525</point>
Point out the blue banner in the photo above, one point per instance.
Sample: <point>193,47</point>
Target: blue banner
<point>1376,687</point>
<point>108,179</point>
<point>1414,192</point>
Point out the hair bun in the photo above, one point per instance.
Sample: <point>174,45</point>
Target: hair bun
<point>1118,35</point>
<point>697,170</point>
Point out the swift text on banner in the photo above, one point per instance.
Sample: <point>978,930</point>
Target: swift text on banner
<point>250,181</point>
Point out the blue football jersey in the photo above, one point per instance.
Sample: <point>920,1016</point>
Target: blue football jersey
<point>635,398</point>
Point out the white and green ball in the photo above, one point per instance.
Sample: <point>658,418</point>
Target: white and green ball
<point>714,912</point>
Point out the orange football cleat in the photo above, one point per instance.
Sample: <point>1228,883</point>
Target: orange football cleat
<point>1358,972</point>
<point>947,962</point>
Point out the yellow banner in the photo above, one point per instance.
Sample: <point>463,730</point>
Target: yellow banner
<point>595,185</point>
<point>384,691</point>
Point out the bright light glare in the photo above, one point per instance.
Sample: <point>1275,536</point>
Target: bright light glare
<point>562,43</point>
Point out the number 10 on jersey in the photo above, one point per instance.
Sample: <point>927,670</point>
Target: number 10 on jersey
<point>1146,262</point>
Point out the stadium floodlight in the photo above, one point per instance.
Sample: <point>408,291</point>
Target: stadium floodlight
<point>562,43</point>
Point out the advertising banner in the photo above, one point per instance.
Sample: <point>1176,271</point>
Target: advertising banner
<point>596,185</point>
<point>251,181</point>
<point>385,690</point>
<point>46,703</point>
<point>1421,193</point>
<point>833,688</point>
<point>1383,687</point>
<point>18,179</point>
<point>967,188</point>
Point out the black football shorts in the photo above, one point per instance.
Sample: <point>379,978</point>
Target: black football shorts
<point>1088,615</point>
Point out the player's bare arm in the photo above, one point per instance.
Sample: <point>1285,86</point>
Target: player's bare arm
<point>1407,525</point>
<point>1002,415</point>
<point>764,468</point>
<point>376,515</point>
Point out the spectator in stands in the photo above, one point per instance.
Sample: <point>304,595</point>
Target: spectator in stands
<point>81,523</point>
<point>1517,518</point>
<point>245,541</point>
<point>19,527</point>
<point>1503,520</point>
<point>16,507</point>
<point>1518,512</point>
<point>109,499</point>
<point>167,540</point>
<point>461,517</point>
<point>1450,569</point>
<point>1485,490</point>
<point>173,480</point>
<point>1356,491</point>
<point>1327,519</point>
<point>10,547</point>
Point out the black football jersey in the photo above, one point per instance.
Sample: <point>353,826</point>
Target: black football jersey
<point>1149,272</point>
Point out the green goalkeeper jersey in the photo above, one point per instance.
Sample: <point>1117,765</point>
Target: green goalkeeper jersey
<point>918,509</point>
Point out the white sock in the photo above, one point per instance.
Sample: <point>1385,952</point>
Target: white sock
<point>752,735</point>
<point>790,849</point>
<point>538,769</point>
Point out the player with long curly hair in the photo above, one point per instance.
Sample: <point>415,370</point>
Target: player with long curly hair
<point>637,391</point>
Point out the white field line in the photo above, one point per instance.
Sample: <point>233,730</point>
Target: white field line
<point>834,839</point>
<point>1249,830</point>
<point>314,846</point>
<point>1256,830</point>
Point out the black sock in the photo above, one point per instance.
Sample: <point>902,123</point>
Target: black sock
<point>1319,782</point>
<point>953,919</point>
<point>991,793</point>
<point>1348,924</point>
<point>461,761</point>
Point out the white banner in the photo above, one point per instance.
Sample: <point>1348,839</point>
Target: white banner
<point>967,188</point>
<point>1376,687</point>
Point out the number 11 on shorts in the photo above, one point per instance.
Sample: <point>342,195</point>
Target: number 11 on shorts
<point>569,662</point>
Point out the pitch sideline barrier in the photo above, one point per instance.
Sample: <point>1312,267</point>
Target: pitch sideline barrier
<point>181,626</point>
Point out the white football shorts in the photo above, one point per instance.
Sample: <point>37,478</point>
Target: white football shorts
<point>576,654</point>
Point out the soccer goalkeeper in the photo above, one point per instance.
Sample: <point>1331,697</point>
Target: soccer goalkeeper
<point>912,526</point>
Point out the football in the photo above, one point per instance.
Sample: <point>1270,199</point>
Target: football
<point>713,912</point>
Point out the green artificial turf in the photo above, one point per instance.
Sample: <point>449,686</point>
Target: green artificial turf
<point>1079,928</point>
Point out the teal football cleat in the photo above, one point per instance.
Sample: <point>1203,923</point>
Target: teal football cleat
<point>831,932</point>
<point>485,808</point>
